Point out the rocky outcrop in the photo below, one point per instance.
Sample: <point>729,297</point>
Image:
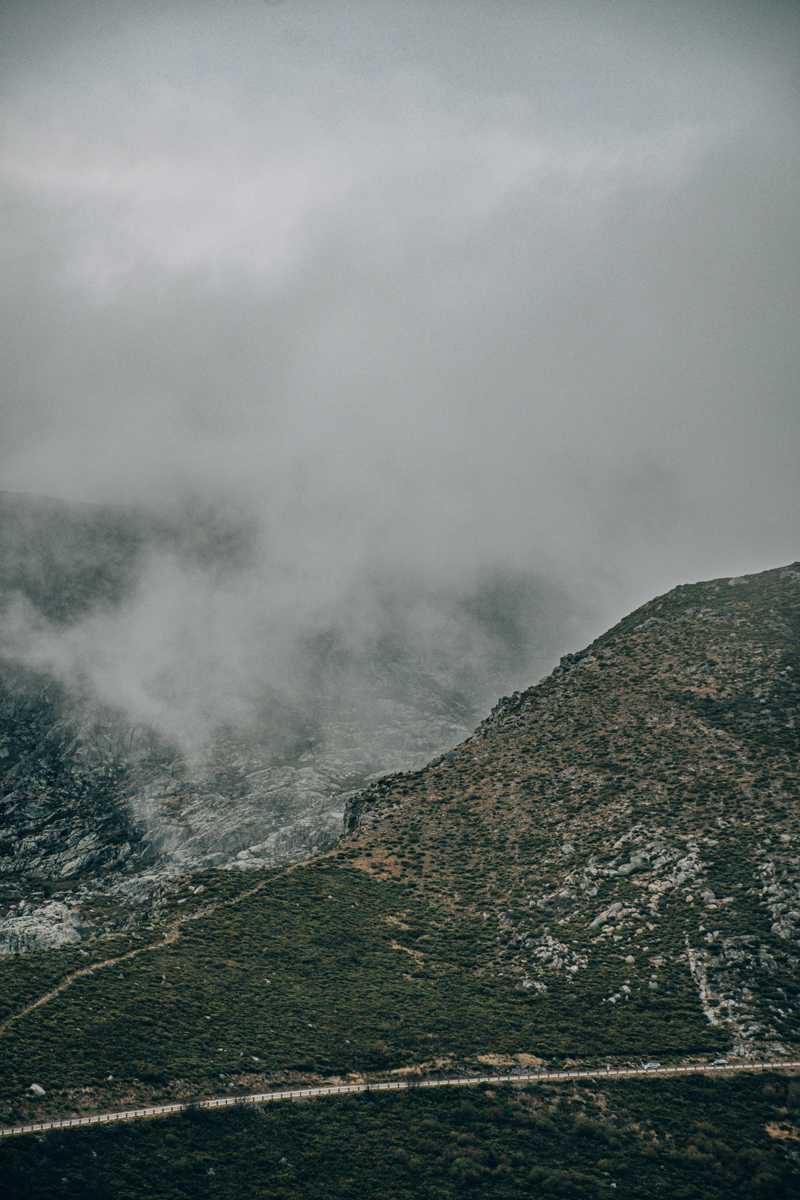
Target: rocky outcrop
<point>44,926</point>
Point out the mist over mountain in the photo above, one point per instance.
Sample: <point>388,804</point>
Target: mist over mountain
<point>373,357</point>
<point>363,363</point>
<point>172,696</point>
<point>186,621</point>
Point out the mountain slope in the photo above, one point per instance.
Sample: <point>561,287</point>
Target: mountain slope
<point>635,815</point>
<point>607,867</point>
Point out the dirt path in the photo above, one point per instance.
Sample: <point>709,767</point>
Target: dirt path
<point>168,938</point>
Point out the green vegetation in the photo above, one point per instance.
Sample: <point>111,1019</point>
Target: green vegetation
<point>693,1139</point>
<point>569,882</point>
<point>325,970</point>
<point>25,977</point>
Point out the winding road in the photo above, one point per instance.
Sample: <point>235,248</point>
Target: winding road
<point>347,1089</point>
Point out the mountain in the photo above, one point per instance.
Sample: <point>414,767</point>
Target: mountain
<point>605,870</point>
<point>630,826</point>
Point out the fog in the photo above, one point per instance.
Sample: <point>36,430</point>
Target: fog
<point>446,301</point>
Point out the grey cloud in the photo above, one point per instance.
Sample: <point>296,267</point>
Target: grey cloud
<point>434,292</point>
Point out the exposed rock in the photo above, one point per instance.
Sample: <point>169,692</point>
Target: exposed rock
<point>42,927</point>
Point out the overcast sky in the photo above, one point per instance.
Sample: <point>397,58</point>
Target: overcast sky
<point>428,286</point>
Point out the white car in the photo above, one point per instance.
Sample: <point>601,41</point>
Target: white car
<point>653,1066</point>
<point>720,1062</point>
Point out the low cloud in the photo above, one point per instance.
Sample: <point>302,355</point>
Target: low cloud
<point>437,303</point>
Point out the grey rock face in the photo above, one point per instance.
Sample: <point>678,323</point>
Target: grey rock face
<point>39,927</point>
<point>87,803</point>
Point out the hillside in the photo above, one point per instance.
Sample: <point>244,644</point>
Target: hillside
<point>630,825</point>
<point>606,868</point>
